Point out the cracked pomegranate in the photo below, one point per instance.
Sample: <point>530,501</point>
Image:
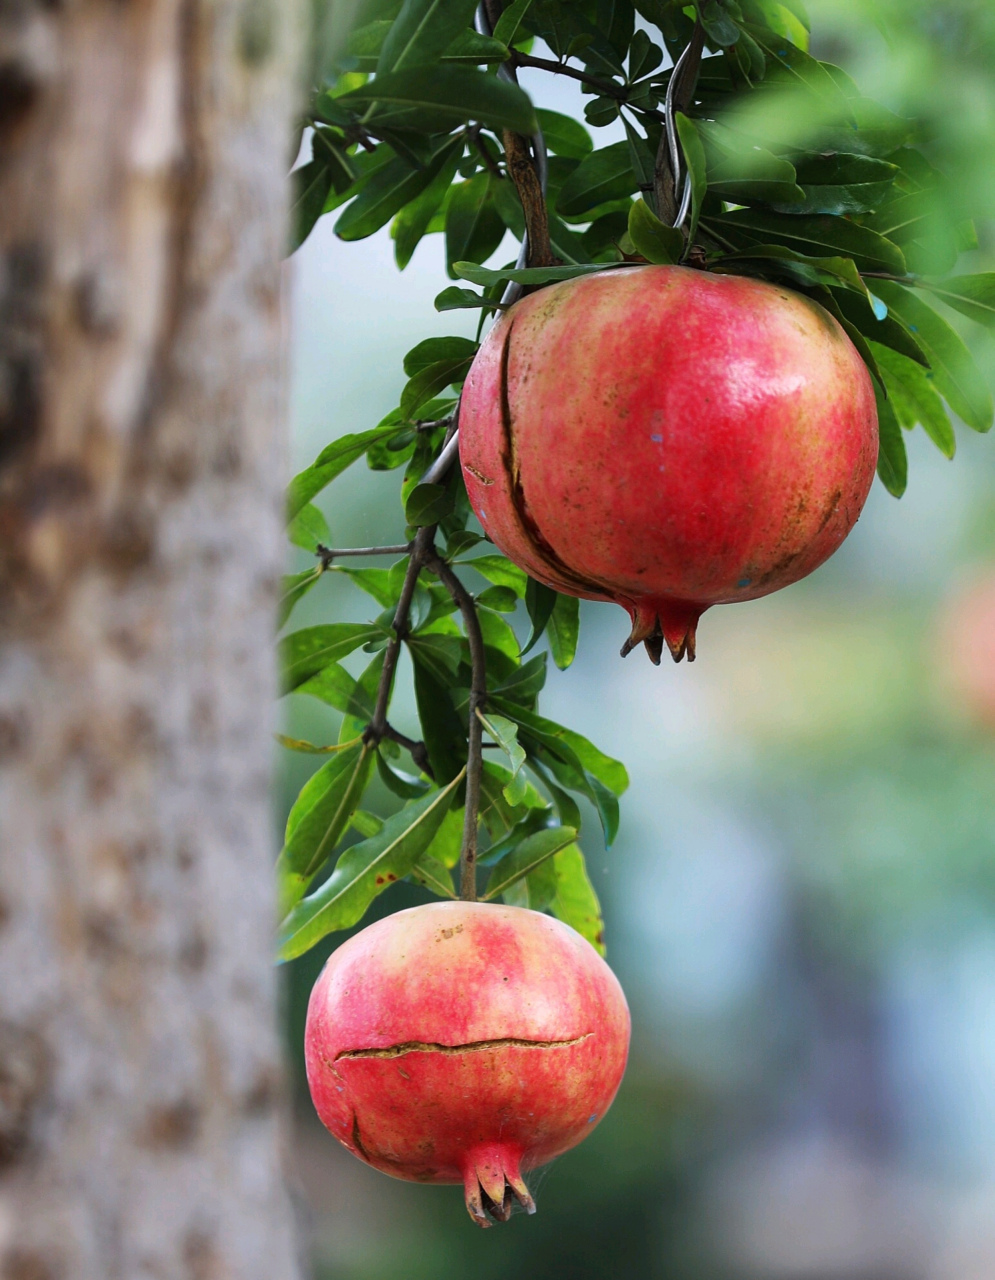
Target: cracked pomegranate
<point>668,439</point>
<point>465,1043</point>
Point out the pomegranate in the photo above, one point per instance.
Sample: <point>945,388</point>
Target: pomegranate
<point>668,439</point>
<point>970,648</point>
<point>464,1042</point>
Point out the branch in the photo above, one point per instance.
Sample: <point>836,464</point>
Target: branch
<point>328,554</point>
<point>417,750</point>
<point>522,172</point>
<point>490,164</point>
<point>478,696</point>
<point>606,87</point>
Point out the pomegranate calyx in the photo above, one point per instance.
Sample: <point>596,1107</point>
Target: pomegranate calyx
<point>673,621</point>
<point>491,1177</point>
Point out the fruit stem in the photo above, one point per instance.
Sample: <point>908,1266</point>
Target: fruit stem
<point>475,730</point>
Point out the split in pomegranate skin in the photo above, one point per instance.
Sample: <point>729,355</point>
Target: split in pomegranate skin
<point>668,439</point>
<point>465,1043</point>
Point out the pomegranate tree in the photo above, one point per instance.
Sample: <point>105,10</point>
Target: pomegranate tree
<point>668,439</point>
<point>679,412</point>
<point>467,1043</point>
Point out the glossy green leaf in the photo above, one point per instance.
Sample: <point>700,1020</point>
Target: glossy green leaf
<point>955,373</point>
<point>405,785</point>
<point>304,653</point>
<point>575,901</point>
<point>413,219</point>
<point>464,93</point>
<point>443,731</point>
<point>310,748</point>
<point>471,48</point>
<point>358,710</point>
<point>336,687</point>
<point>507,26</point>
<point>500,599</point>
<point>893,463</point>
<point>523,275</point>
<point>434,350</point>
<point>531,853</point>
<point>500,571</point>
<point>973,296</point>
<point>563,629</point>
<point>914,398</point>
<point>799,68</point>
<point>294,586</point>
<point>321,812</point>
<point>540,601</point>
<point>428,383</point>
<point>843,183</point>
<point>310,185</point>
<point>434,876</point>
<point>652,238</point>
<point>818,237</point>
<point>474,228</point>
<point>498,634</point>
<point>331,462</point>
<point>505,733</point>
<point>427,504</point>
<point>422,31</point>
<point>526,683</point>
<point>600,177</point>
<point>609,771</point>
<point>564,136</point>
<point>363,871</point>
<point>456,299</point>
<point>887,330</point>
<point>308,528</point>
<point>365,823</point>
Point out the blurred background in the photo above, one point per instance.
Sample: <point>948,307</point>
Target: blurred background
<point>801,901</point>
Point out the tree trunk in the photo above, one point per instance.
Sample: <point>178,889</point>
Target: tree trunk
<point>142,423</point>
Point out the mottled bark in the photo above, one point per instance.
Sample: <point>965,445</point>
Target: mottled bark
<point>142,419</point>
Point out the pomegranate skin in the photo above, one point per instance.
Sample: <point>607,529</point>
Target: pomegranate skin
<point>464,1042</point>
<point>668,439</point>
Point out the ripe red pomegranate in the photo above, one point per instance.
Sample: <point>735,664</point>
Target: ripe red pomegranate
<point>970,648</point>
<point>464,1042</point>
<point>669,439</point>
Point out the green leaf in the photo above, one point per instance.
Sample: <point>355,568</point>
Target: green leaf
<point>500,599</point>
<point>427,383</point>
<point>422,31</point>
<point>391,188</point>
<point>358,710</point>
<point>474,228</point>
<point>564,136</point>
<point>413,219</point>
<point>427,504</point>
<point>498,634</point>
<point>448,840</point>
<point>818,237</point>
<point>331,462</point>
<point>441,654</point>
<point>600,177</point>
<point>531,853</point>
<point>309,748</point>
<point>888,331</point>
<point>401,784</point>
<point>694,158</point>
<point>505,733</point>
<point>375,582</point>
<point>572,745</point>
<point>842,183</point>
<point>525,275</point>
<point>366,824</point>
<point>461,92</point>
<point>799,68</point>
<point>434,350</point>
<point>575,901</point>
<point>335,686</point>
<point>540,601</point>
<point>304,653</point>
<point>310,185</point>
<point>295,585</point>
<point>363,871</point>
<point>653,238</point>
<point>955,374</point>
<point>506,28</point>
<point>433,875</point>
<point>308,528</point>
<point>914,398</point>
<point>526,682</point>
<point>563,629</point>
<point>471,47</point>
<point>893,463</point>
<point>321,812</point>
<point>443,731</point>
<point>456,299</point>
<point>973,296</point>
<point>500,571</point>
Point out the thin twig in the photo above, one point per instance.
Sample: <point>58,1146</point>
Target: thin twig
<point>327,554</point>
<point>490,164</point>
<point>606,87</point>
<point>478,696</point>
<point>417,750</point>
